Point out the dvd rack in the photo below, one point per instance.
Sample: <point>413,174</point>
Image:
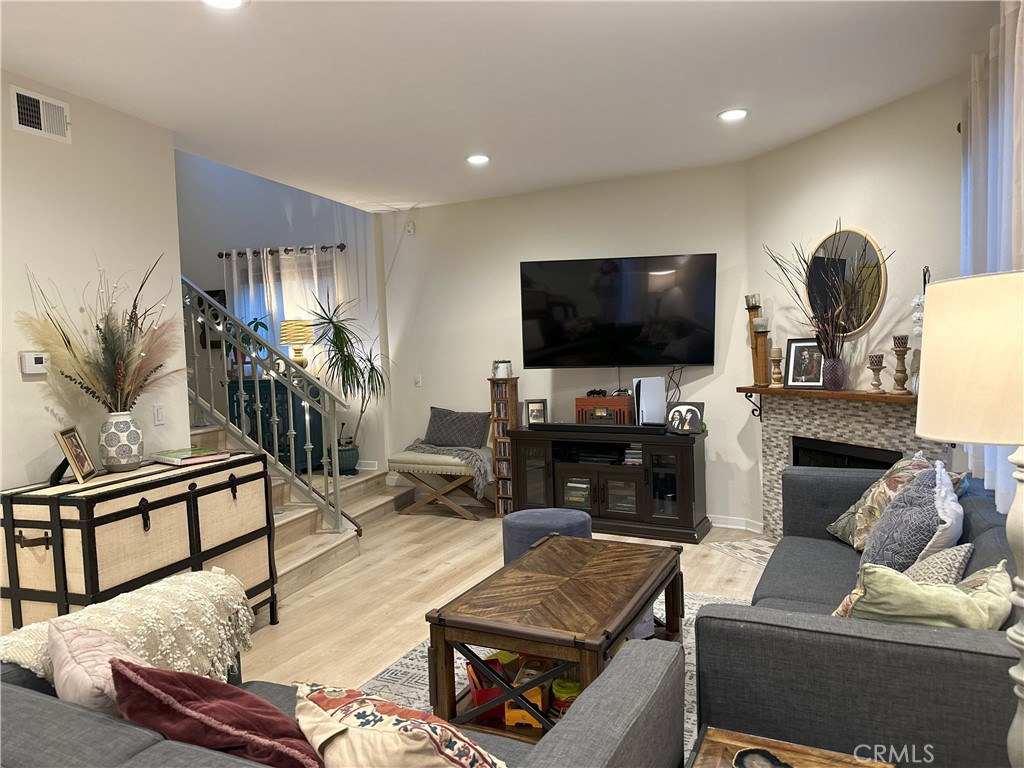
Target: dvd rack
<point>504,416</point>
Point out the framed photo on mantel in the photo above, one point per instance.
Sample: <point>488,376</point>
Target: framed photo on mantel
<point>803,364</point>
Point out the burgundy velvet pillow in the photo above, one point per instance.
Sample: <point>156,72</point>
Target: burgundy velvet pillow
<point>211,714</point>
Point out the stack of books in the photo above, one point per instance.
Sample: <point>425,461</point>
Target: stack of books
<point>577,493</point>
<point>181,457</point>
<point>634,455</point>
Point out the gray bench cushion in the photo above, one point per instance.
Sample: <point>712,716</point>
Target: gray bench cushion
<point>809,570</point>
<point>40,731</point>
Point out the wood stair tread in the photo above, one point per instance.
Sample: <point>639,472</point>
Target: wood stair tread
<point>363,505</point>
<point>293,511</point>
<point>310,548</point>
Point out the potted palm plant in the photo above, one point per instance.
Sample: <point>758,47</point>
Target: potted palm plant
<point>353,365</point>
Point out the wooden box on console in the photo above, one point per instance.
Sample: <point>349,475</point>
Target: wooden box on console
<point>72,545</point>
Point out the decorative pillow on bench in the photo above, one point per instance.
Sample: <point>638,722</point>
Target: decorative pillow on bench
<point>350,729</point>
<point>453,429</point>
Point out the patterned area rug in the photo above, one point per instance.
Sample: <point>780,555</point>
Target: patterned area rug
<point>405,682</point>
<point>756,551</point>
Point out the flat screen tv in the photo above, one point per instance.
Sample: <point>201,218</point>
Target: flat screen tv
<point>641,311</point>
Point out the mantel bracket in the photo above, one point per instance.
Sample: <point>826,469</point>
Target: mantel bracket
<point>756,410</point>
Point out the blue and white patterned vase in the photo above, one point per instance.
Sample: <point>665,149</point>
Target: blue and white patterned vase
<point>121,445</point>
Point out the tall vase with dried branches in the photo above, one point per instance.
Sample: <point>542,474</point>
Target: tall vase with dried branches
<point>843,301</point>
<point>123,354</point>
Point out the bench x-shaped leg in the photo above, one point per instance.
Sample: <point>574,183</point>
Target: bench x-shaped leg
<point>439,494</point>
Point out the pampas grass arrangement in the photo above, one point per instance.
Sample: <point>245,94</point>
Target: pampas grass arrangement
<point>125,353</point>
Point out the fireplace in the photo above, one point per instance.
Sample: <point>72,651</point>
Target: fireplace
<point>808,452</point>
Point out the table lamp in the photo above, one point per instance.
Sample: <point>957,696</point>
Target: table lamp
<point>297,334</point>
<point>972,391</point>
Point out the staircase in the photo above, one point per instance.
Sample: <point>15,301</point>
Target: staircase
<point>319,517</point>
<point>304,549</point>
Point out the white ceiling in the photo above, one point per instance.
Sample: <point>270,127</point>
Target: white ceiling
<point>378,103</point>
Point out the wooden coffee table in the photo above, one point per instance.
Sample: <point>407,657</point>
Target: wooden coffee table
<point>568,599</point>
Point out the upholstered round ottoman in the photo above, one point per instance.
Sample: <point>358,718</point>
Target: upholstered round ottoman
<point>520,530</point>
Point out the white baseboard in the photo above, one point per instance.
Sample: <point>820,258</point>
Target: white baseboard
<point>738,523</point>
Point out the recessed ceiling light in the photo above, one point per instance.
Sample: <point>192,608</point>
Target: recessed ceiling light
<point>732,115</point>
<point>225,5</point>
<point>478,159</point>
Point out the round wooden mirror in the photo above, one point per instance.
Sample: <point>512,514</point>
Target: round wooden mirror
<point>846,274</point>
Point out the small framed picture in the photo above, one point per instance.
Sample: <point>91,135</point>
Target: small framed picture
<point>685,418</point>
<point>536,411</point>
<point>803,364</point>
<point>74,449</point>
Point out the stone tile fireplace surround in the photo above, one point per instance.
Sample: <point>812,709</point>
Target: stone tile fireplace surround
<point>843,417</point>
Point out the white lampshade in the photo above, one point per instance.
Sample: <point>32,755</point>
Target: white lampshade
<point>972,365</point>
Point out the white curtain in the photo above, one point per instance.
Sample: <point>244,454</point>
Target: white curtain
<point>992,231</point>
<point>275,284</point>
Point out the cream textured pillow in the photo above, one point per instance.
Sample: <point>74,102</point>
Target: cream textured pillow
<point>945,567</point>
<point>350,729</point>
<point>81,664</point>
<point>883,594</point>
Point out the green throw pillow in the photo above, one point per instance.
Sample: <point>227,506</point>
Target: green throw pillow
<point>883,594</point>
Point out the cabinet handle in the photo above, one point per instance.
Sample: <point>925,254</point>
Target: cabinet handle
<point>647,476</point>
<point>42,541</point>
<point>144,508</point>
<point>234,486</point>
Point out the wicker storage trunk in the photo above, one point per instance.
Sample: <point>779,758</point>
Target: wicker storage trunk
<point>72,545</point>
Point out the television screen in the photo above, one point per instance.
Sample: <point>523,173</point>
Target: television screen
<point>648,310</point>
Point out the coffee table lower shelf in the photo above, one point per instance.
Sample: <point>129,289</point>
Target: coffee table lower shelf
<point>522,733</point>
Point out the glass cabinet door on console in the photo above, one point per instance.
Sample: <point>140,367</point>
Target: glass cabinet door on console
<point>576,488</point>
<point>621,497</point>
<point>670,475</point>
<point>533,474</point>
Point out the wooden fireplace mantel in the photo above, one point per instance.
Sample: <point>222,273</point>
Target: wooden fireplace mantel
<point>824,394</point>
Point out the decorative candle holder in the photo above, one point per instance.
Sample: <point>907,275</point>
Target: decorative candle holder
<point>899,378</point>
<point>901,341</point>
<point>776,357</point>
<point>761,357</point>
<point>760,324</point>
<point>753,313</point>
<point>876,375</point>
<point>875,361</point>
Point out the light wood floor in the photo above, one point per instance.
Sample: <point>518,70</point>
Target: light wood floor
<point>345,627</point>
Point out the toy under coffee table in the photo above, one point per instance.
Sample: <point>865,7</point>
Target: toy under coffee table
<point>567,599</point>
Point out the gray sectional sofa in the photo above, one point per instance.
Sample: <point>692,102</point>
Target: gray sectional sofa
<point>632,715</point>
<point>786,669</point>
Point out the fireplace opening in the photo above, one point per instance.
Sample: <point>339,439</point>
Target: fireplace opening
<point>808,452</point>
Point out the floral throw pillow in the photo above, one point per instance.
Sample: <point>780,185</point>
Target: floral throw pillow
<point>349,728</point>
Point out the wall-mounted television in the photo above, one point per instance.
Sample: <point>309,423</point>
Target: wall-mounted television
<point>639,311</point>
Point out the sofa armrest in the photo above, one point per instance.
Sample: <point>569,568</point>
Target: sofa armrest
<point>813,497</point>
<point>849,685</point>
<point>631,715</point>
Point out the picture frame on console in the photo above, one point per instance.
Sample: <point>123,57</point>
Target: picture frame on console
<point>74,450</point>
<point>536,411</point>
<point>685,418</point>
<point>803,365</point>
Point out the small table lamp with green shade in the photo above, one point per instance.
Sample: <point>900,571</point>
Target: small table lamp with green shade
<point>297,334</point>
<point>972,391</point>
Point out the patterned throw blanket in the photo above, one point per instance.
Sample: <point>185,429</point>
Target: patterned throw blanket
<point>480,459</point>
<point>192,622</point>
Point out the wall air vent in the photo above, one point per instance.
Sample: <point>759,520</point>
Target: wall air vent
<point>41,115</point>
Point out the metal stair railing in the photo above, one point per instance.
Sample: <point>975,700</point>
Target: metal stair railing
<point>209,325</point>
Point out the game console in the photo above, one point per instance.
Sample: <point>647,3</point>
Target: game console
<point>649,399</point>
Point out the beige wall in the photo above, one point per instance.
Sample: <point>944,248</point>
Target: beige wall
<point>109,198</point>
<point>453,292</point>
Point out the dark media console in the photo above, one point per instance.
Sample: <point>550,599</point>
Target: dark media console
<point>634,481</point>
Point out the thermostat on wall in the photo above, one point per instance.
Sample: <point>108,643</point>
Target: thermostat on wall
<point>35,362</point>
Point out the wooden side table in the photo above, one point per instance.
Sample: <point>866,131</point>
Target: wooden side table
<point>717,748</point>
